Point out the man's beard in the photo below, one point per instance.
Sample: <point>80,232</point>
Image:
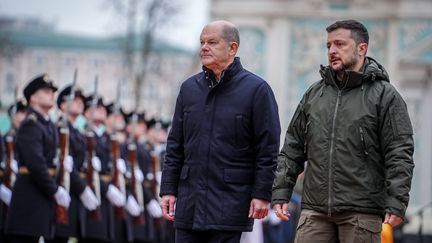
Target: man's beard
<point>349,65</point>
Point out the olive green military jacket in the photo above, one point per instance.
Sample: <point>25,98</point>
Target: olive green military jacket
<point>357,140</point>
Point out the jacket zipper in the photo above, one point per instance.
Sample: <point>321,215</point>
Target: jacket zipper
<point>331,153</point>
<point>363,141</point>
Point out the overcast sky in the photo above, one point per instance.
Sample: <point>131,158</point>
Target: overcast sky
<point>93,18</point>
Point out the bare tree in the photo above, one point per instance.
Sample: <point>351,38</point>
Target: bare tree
<point>143,19</point>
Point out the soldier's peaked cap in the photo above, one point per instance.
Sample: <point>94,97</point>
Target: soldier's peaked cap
<point>39,82</point>
<point>64,94</point>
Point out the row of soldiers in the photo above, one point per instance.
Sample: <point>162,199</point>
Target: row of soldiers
<point>99,184</point>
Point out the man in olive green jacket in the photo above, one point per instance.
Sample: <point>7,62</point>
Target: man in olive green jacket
<point>354,130</point>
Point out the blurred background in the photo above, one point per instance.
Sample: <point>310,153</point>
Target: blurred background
<point>151,46</point>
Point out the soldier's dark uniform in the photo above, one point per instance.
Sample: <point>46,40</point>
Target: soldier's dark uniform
<point>11,134</point>
<point>77,149</point>
<point>123,231</point>
<point>102,230</point>
<point>2,210</point>
<point>31,212</point>
<point>145,232</point>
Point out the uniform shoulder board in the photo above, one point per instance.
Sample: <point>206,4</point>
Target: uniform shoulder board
<point>60,123</point>
<point>32,117</point>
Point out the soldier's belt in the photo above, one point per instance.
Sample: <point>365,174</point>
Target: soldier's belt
<point>23,170</point>
<point>104,178</point>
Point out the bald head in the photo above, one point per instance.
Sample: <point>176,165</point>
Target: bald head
<point>228,30</point>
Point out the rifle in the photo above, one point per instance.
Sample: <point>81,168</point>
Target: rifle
<point>63,176</point>
<point>118,179</point>
<point>135,185</point>
<point>92,176</point>
<point>9,176</point>
<point>155,167</point>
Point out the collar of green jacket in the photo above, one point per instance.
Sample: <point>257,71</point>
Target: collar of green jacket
<point>371,71</point>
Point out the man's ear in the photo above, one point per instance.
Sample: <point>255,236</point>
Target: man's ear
<point>362,49</point>
<point>233,47</point>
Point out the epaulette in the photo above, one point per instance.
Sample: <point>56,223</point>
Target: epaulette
<point>60,123</point>
<point>32,117</point>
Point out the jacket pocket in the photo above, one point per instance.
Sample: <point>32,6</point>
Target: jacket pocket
<point>237,195</point>
<point>239,176</point>
<point>369,230</point>
<point>241,141</point>
<point>305,144</point>
<point>363,141</point>
<point>400,122</point>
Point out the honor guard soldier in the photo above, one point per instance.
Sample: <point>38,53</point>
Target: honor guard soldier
<point>71,103</point>
<point>146,231</point>
<point>35,191</point>
<point>9,166</point>
<point>100,228</point>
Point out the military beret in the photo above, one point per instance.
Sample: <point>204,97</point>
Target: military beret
<point>66,92</point>
<point>17,107</point>
<point>39,82</point>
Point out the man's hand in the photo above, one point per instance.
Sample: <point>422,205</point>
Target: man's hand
<point>258,208</point>
<point>167,205</point>
<point>392,219</point>
<point>281,211</point>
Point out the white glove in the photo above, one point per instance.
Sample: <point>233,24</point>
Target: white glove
<point>96,163</point>
<point>68,164</point>
<point>139,176</point>
<point>5,194</point>
<point>159,177</point>
<point>154,209</point>
<point>14,166</point>
<point>121,165</point>
<point>89,199</point>
<point>132,206</point>
<point>150,176</point>
<point>115,196</point>
<point>62,197</point>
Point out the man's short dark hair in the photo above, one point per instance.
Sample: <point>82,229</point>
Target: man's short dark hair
<point>230,34</point>
<point>359,32</point>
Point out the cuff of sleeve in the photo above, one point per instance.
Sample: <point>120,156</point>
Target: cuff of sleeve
<point>396,207</point>
<point>280,195</point>
<point>168,189</point>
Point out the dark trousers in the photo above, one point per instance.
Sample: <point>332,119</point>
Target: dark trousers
<point>58,240</point>
<point>23,239</point>
<point>208,236</point>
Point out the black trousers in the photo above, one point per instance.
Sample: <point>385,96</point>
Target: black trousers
<point>23,239</point>
<point>208,236</point>
<point>58,240</point>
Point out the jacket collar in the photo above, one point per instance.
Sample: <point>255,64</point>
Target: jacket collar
<point>227,74</point>
<point>33,113</point>
<point>370,71</point>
